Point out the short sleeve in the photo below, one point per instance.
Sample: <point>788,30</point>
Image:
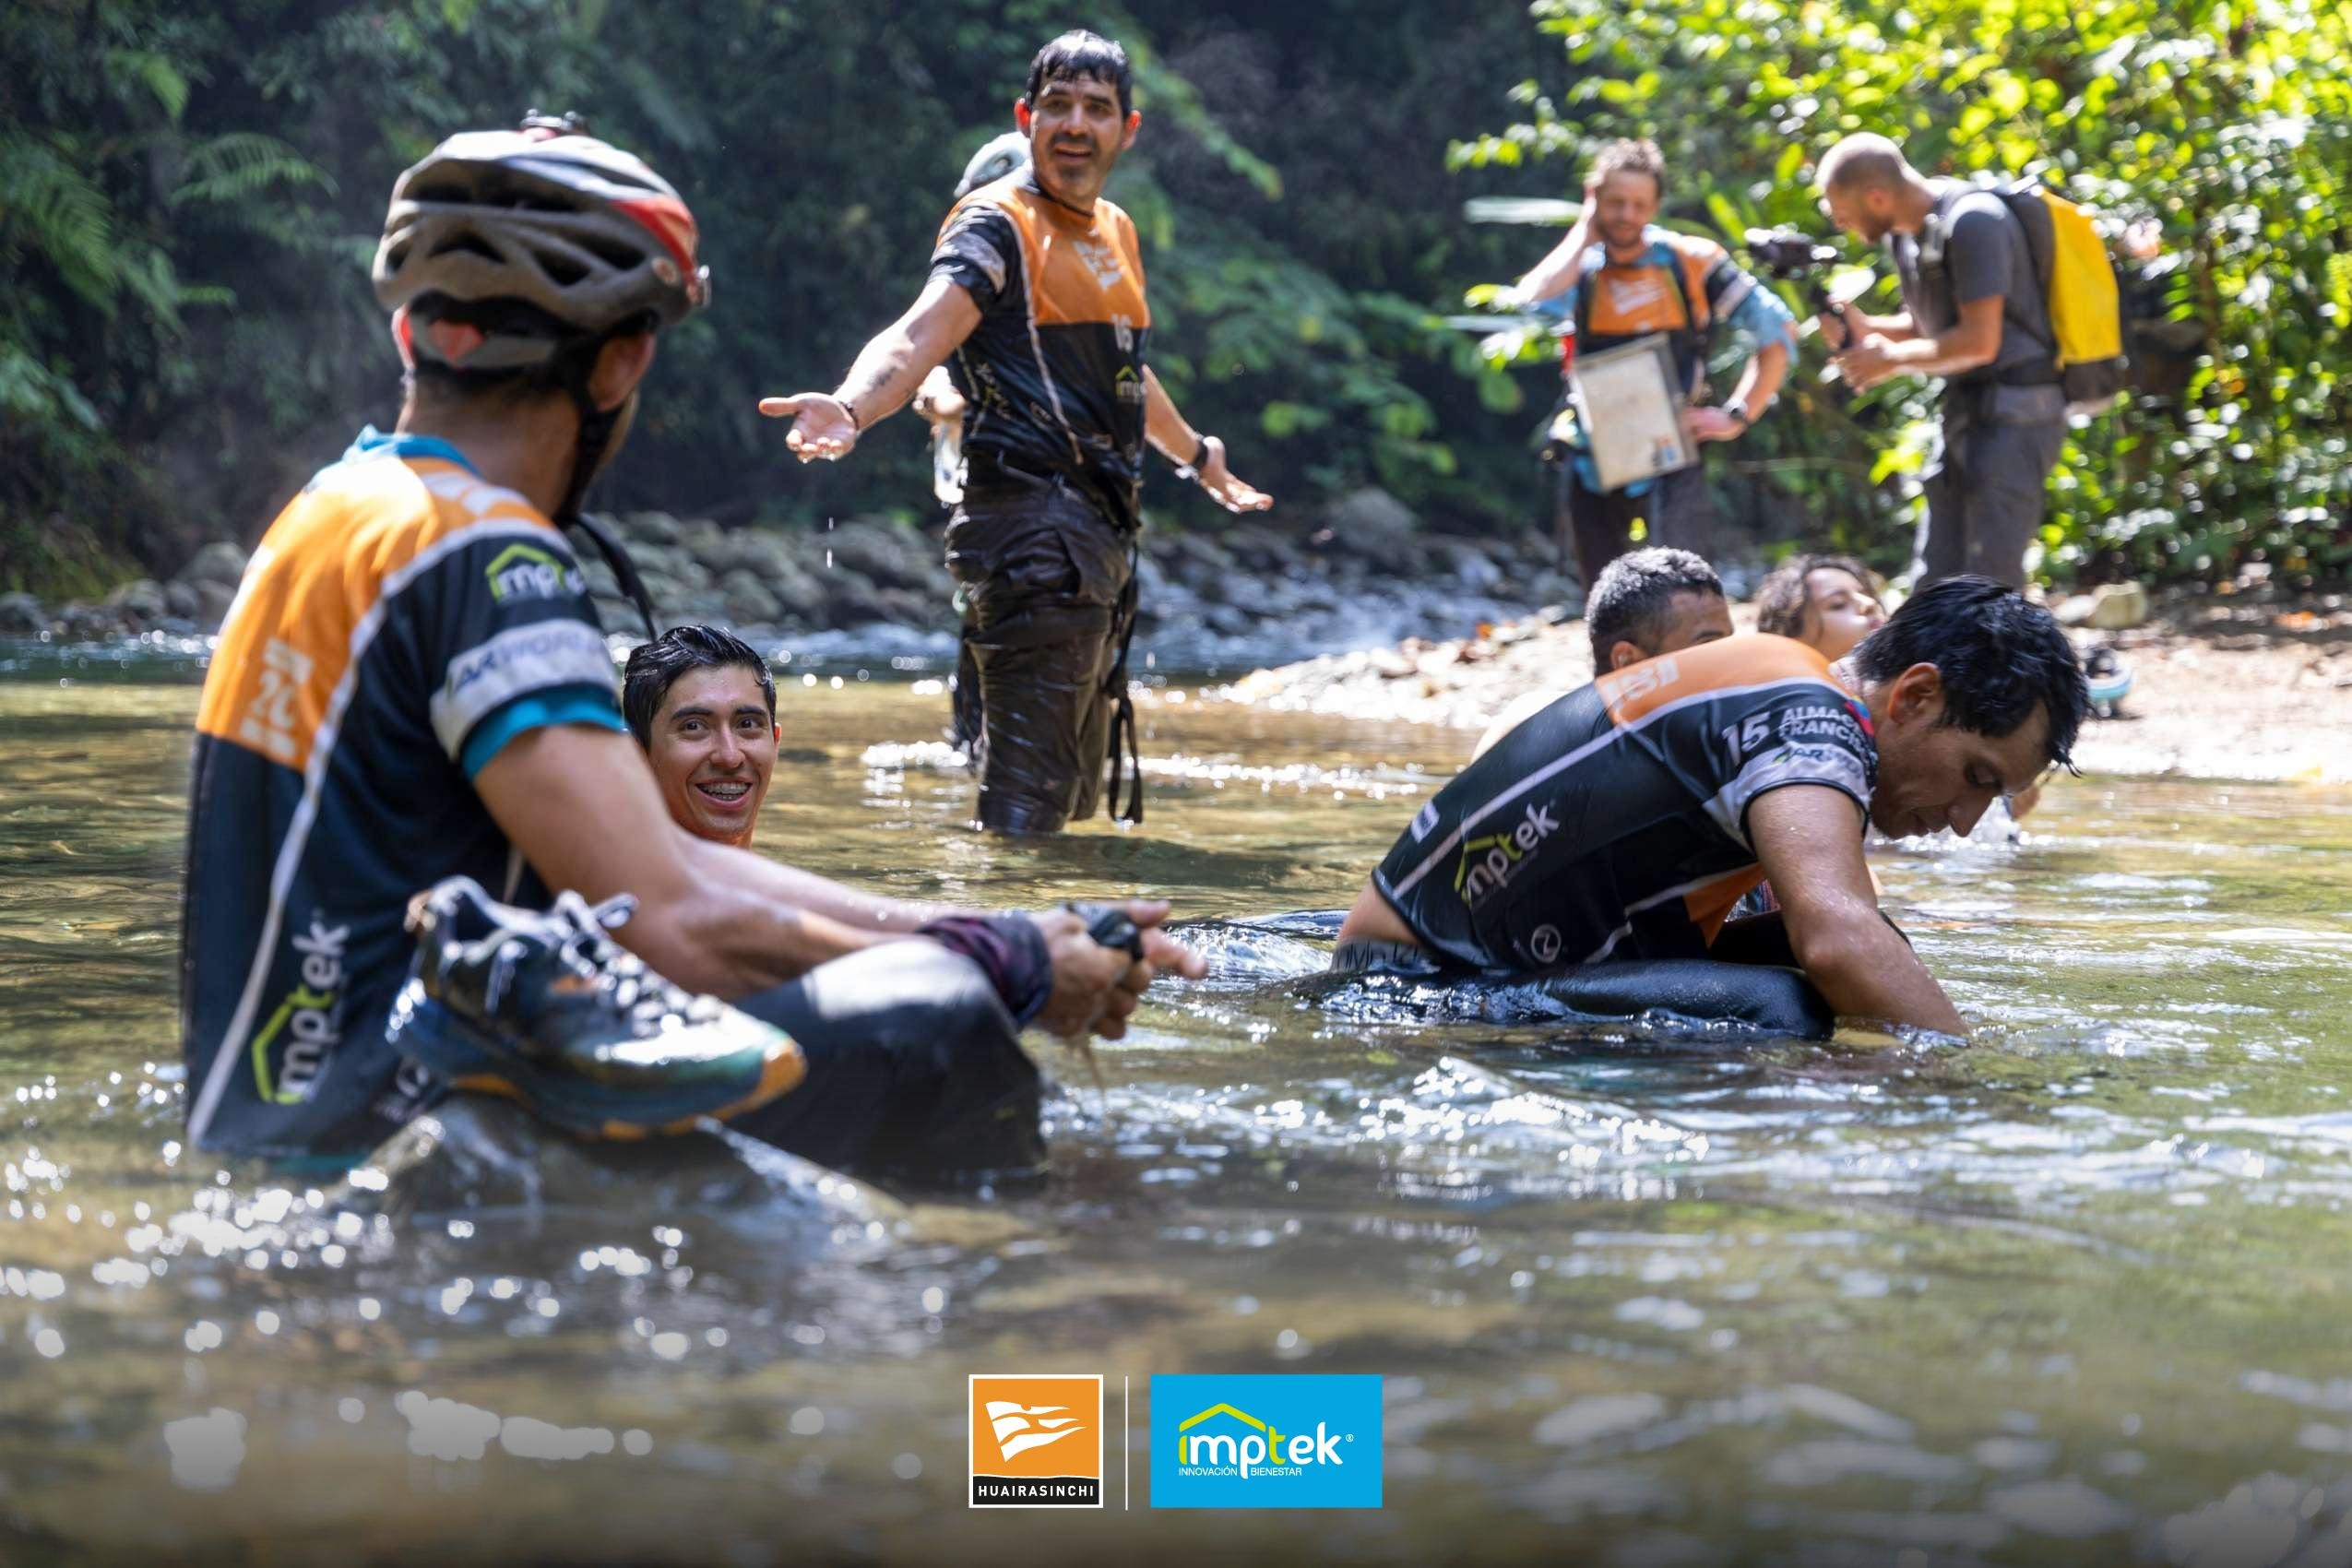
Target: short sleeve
<point>1737,300</point>
<point>1975,250</point>
<point>509,642</point>
<point>980,251</point>
<point>1806,736</point>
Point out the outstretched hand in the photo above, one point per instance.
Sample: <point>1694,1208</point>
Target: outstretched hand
<point>1096,988</point>
<point>820,425</point>
<point>1227,490</point>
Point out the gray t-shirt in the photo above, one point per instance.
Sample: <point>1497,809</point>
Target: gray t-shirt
<point>1973,246</point>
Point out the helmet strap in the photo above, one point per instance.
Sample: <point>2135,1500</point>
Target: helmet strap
<point>600,431</point>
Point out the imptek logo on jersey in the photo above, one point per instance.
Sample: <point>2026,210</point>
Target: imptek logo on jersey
<point>1311,1442</point>
<point>1036,1441</point>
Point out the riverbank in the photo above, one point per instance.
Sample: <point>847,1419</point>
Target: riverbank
<point>1360,572</point>
<point>2224,687</point>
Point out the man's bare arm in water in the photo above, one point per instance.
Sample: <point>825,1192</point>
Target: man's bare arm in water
<point>582,808</point>
<point>1809,838</point>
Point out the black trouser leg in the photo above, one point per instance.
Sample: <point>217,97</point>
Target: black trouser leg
<point>913,1065</point>
<point>1044,575</point>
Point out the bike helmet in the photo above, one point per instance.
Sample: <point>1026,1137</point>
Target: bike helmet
<point>546,217</point>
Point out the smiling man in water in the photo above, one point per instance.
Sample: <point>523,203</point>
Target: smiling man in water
<point>1625,820</point>
<point>702,704</point>
<point>1037,289</point>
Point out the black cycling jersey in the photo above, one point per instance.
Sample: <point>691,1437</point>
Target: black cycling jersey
<point>1613,822</point>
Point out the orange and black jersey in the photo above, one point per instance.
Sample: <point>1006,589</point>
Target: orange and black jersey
<point>1055,372</point>
<point>402,620</point>
<point>1613,822</point>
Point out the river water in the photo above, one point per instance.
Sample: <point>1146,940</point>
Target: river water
<point>2076,1293</point>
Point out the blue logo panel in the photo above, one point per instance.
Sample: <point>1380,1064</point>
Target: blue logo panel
<point>1265,1441</point>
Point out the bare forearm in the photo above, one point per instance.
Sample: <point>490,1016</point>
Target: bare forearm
<point>884,375</point>
<point>1164,427</point>
<point>1760,382</point>
<point>872,916</point>
<point>1948,353</point>
<point>1896,328</point>
<point>1558,272</point>
<point>1866,970</point>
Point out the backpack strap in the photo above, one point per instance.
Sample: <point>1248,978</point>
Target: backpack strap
<point>1660,254</point>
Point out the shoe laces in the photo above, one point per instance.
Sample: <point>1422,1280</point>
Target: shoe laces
<point>632,990</point>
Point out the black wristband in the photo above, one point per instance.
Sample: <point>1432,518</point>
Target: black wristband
<point>1010,950</point>
<point>1200,455</point>
<point>1108,925</point>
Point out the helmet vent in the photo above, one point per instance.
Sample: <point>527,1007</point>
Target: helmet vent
<point>561,270</point>
<point>467,244</point>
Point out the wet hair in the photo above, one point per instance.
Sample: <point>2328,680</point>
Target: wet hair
<point>1633,596</point>
<point>655,667</point>
<point>1864,161</point>
<point>1784,600</point>
<point>2000,657</point>
<point>1085,57</point>
<point>1626,155</point>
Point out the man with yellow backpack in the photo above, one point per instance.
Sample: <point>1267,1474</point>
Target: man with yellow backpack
<point>2008,295</point>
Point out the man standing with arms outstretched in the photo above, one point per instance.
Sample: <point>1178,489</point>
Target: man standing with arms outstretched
<point>1037,289</point>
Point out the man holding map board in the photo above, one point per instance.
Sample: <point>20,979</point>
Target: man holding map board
<point>1646,303</point>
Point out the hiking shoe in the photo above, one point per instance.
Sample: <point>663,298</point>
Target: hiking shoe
<point>547,1009</point>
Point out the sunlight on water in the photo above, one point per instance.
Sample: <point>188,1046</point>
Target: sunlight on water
<point>2072,1293</point>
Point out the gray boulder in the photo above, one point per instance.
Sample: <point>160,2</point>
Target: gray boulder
<point>138,605</point>
<point>220,562</point>
<point>748,600</point>
<point>884,553</point>
<point>212,603</point>
<point>1371,524</point>
<point>21,616</point>
<point>652,528</point>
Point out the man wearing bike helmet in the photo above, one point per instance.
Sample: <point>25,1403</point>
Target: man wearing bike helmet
<point>411,691</point>
<point>1037,289</point>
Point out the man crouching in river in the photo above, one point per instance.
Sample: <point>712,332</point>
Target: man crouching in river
<point>1625,820</point>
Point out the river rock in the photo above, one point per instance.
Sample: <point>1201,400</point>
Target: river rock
<point>698,539</point>
<point>886,555</point>
<point>2118,607</point>
<point>137,605</point>
<point>21,616</point>
<point>653,528</point>
<point>748,600</point>
<point>212,603</point>
<point>220,562</point>
<point>1371,524</point>
<point>1467,564</point>
<point>1261,549</point>
<point>472,1153</point>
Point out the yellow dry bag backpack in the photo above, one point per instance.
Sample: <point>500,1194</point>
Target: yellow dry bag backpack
<point>2079,289</point>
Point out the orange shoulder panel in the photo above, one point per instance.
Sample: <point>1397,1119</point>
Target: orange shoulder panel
<point>1729,662</point>
<point>290,635</point>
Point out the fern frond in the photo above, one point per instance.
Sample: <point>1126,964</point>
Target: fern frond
<point>47,203</point>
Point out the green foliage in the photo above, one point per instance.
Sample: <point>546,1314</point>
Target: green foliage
<point>189,199</point>
<point>2228,123</point>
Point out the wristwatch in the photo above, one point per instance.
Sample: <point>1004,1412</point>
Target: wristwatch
<point>1738,410</point>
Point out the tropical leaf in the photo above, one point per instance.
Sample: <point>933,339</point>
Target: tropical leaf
<point>233,167</point>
